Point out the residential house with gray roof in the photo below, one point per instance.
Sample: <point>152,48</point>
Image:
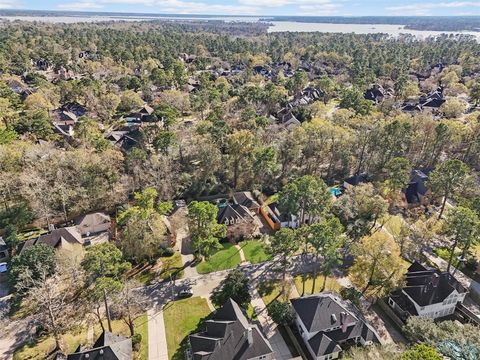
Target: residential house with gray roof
<point>229,335</point>
<point>328,323</point>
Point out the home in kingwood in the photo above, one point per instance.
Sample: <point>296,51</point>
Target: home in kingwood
<point>107,347</point>
<point>241,222</point>
<point>428,292</point>
<point>229,335</point>
<point>328,325</point>
<point>416,191</point>
<point>144,114</point>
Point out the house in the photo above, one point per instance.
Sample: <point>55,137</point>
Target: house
<point>143,114</point>
<point>107,347</point>
<point>376,93</point>
<point>95,228</point>
<point>241,223</point>
<point>417,189</point>
<point>355,180</point>
<point>64,238</point>
<point>326,323</point>
<point>428,293</point>
<point>124,139</point>
<point>287,119</point>
<point>3,251</point>
<point>277,219</point>
<point>245,198</point>
<point>433,100</point>
<point>63,122</point>
<point>229,335</point>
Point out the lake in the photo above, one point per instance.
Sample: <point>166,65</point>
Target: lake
<point>277,26</point>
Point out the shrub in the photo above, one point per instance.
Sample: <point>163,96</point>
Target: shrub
<point>136,341</point>
<point>167,252</point>
<point>280,312</point>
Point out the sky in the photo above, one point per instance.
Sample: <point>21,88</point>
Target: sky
<point>258,7</point>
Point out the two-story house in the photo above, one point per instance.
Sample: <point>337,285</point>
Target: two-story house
<point>241,222</point>
<point>326,322</point>
<point>428,292</point>
<point>229,335</point>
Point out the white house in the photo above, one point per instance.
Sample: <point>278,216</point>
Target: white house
<point>326,322</point>
<point>428,292</point>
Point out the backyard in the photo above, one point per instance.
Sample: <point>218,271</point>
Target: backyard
<point>226,258</point>
<point>181,318</point>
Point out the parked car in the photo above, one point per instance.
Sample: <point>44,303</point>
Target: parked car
<point>183,294</point>
<point>3,267</point>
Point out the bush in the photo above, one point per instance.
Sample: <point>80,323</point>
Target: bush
<point>352,294</point>
<point>281,313</point>
<point>471,264</point>
<point>167,252</point>
<point>136,341</point>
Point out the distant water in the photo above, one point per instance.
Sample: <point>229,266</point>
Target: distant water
<point>277,26</point>
<point>393,30</point>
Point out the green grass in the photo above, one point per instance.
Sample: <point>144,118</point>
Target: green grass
<point>251,312</point>
<point>444,253</point>
<point>172,266</point>
<point>254,251</point>
<point>393,223</point>
<point>331,285</point>
<point>226,258</point>
<point>42,347</point>
<point>271,290</point>
<point>181,318</point>
<point>119,327</point>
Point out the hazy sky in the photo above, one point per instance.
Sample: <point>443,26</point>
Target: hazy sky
<point>258,7</point>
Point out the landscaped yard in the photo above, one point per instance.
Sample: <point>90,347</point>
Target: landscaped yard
<point>226,258</point>
<point>166,266</point>
<point>271,290</point>
<point>181,318</point>
<point>254,251</point>
<point>331,285</point>
<point>41,348</point>
<point>393,224</point>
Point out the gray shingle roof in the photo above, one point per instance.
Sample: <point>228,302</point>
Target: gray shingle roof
<point>226,337</point>
<point>107,347</point>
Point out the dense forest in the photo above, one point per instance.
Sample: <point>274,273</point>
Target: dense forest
<point>217,97</point>
<point>135,120</point>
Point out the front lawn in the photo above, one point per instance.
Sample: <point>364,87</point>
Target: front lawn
<point>164,267</point>
<point>331,285</point>
<point>172,266</point>
<point>226,258</point>
<point>393,224</point>
<point>181,318</point>
<point>271,290</point>
<point>42,347</point>
<point>254,251</point>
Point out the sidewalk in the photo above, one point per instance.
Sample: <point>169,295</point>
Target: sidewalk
<point>157,341</point>
<point>270,328</point>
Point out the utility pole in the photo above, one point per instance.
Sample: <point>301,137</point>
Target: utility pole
<point>107,310</point>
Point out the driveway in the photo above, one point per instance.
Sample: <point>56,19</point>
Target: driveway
<point>157,341</point>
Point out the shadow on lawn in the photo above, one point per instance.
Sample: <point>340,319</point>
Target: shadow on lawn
<point>181,351</point>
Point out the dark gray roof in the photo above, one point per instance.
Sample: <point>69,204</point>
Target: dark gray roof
<point>333,320</point>
<point>226,337</point>
<point>316,311</point>
<point>54,238</point>
<point>235,212</point>
<point>107,347</point>
<point>246,199</point>
<point>429,286</point>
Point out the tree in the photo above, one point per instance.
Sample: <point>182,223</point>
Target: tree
<point>30,261</point>
<point>281,313</point>
<point>306,197</point>
<point>129,101</point>
<point>462,225</point>
<point>359,210</point>
<point>353,99</point>
<point>378,264</point>
<point>240,147</point>
<point>104,260</point>
<point>421,352</point>
<point>130,304</point>
<point>282,246</point>
<point>53,299</point>
<point>142,229</point>
<point>205,232</point>
<point>325,238</point>
<point>398,173</point>
<point>447,180</point>
<point>234,286</point>
<point>164,141</point>
<point>453,108</point>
